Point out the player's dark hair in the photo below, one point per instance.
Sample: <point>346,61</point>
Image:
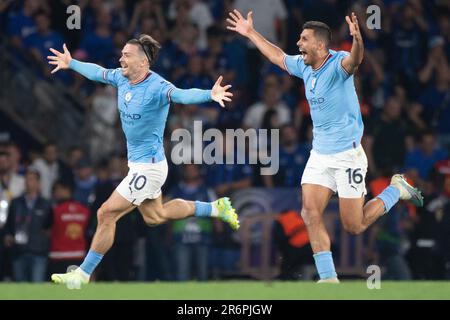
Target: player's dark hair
<point>321,30</point>
<point>148,45</point>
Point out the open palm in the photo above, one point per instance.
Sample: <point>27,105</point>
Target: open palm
<point>219,93</point>
<point>239,24</point>
<point>60,59</point>
<point>353,25</point>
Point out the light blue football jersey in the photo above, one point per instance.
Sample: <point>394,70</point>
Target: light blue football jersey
<point>143,109</point>
<point>333,103</point>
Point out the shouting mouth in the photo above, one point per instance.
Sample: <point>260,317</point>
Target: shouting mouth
<point>303,53</point>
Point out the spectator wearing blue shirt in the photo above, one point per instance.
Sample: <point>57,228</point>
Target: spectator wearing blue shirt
<point>293,158</point>
<point>40,42</point>
<point>227,178</point>
<point>192,236</point>
<point>146,10</point>
<point>85,182</point>
<point>27,231</point>
<point>444,30</point>
<point>217,61</point>
<point>436,97</point>
<point>195,76</point>
<point>99,43</point>
<point>184,35</point>
<point>166,61</point>
<point>21,24</point>
<point>119,16</point>
<point>386,239</point>
<point>236,52</point>
<point>231,116</point>
<point>119,41</point>
<point>5,8</point>
<point>408,37</point>
<point>90,11</point>
<point>426,156</point>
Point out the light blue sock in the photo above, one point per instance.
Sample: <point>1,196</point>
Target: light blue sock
<point>325,265</point>
<point>203,209</point>
<point>91,262</point>
<point>390,197</point>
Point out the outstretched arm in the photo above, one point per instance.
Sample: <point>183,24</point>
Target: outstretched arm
<point>352,62</point>
<point>63,60</point>
<point>194,96</point>
<point>245,27</point>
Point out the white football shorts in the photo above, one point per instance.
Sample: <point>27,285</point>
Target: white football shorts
<point>343,172</point>
<point>144,181</point>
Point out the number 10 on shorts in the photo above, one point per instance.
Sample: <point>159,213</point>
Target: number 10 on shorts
<point>138,182</point>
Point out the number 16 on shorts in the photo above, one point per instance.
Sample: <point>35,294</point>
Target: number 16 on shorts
<point>354,186</point>
<point>354,176</point>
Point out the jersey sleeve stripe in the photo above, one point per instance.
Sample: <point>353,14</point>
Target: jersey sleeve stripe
<point>343,69</point>
<point>104,74</point>
<point>285,65</point>
<point>169,93</point>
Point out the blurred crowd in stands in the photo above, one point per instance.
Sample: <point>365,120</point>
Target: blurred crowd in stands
<point>48,198</point>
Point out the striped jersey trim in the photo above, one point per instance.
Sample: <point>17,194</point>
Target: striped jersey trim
<point>142,80</point>
<point>169,93</point>
<point>324,61</point>
<point>285,65</point>
<point>343,69</point>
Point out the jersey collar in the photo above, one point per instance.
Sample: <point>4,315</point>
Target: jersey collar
<point>324,61</point>
<point>141,80</point>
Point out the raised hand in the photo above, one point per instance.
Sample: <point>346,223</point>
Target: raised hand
<point>239,24</point>
<point>353,26</point>
<point>60,59</point>
<point>219,93</point>
<point>354,59</point>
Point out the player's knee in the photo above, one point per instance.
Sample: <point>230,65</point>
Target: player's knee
<point>150,221</point>
<point>155,217</point>
<point>311,216</point>
<point>353,228</point>
<point>161,213</point>
<point>104,215</point>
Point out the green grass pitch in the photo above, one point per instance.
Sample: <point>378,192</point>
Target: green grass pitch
<point>227,290</point>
